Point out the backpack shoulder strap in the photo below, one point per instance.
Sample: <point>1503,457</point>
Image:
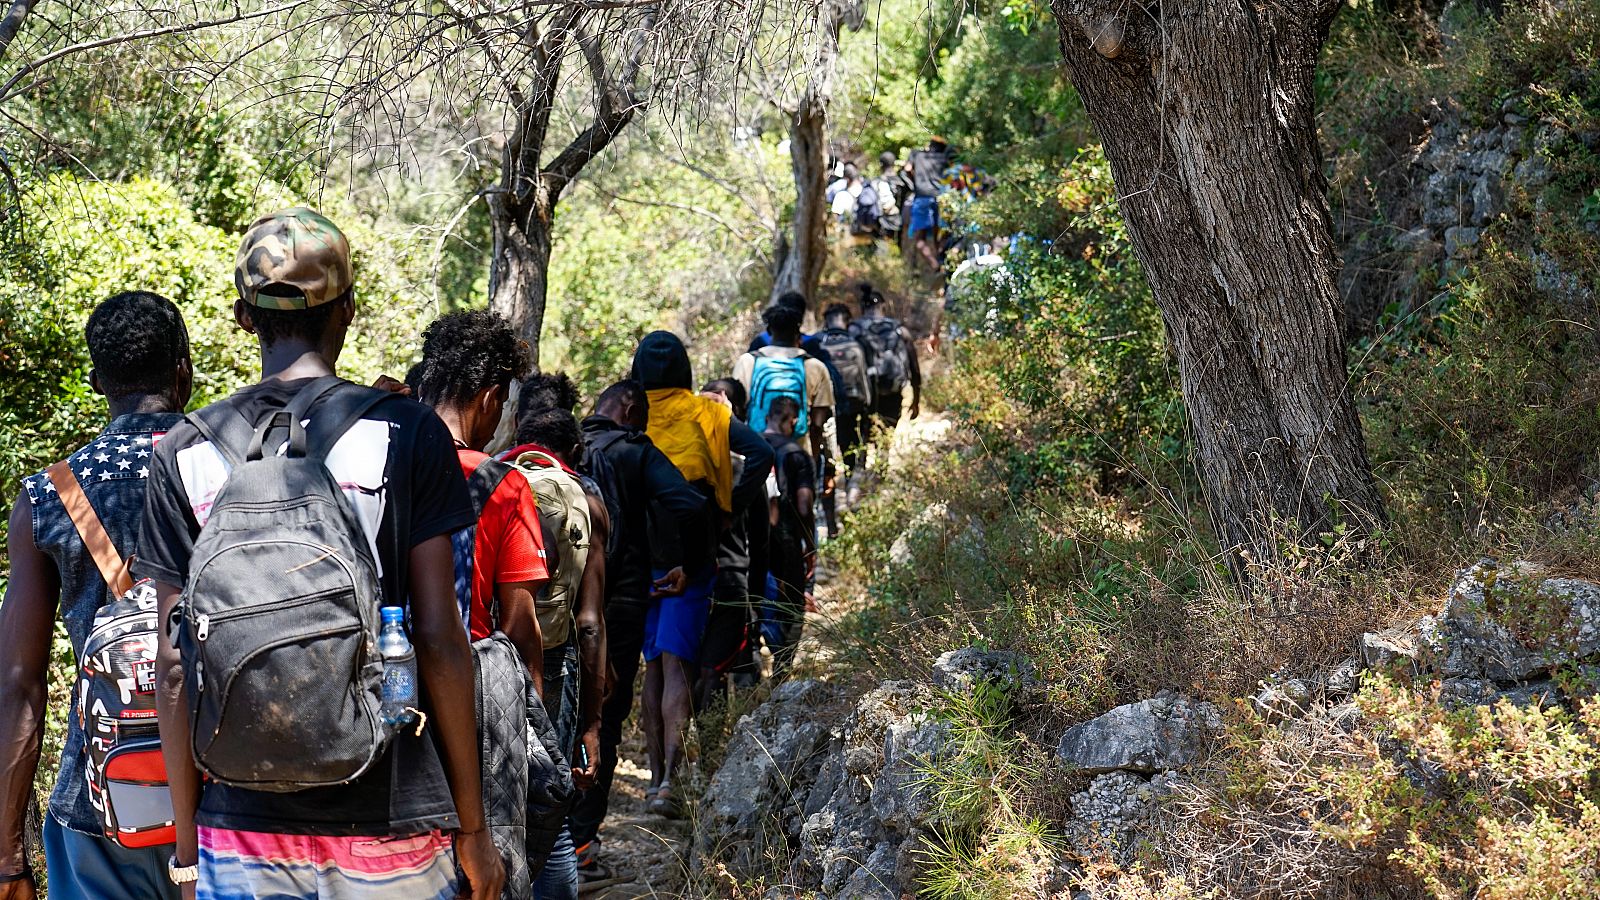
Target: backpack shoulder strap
<point>226,428</point>
<point>485,480</point>
<point>346,404</point>
<point>603,441</point>
<point>113,568</point>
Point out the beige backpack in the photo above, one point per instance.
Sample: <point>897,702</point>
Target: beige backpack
<point>564,513</point>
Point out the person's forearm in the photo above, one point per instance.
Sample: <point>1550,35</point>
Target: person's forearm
<point>444,662</point>
<point>446,670</point>
<point>21,728</point>
<point>172,715</point>
<point>519,621</point>
<point>591,626</point>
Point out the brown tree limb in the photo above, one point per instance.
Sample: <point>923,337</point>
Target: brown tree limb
<point>6,92</point>
<point>16,14</point>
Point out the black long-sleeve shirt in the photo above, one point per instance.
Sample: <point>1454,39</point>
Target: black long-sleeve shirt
<point>646,479</point>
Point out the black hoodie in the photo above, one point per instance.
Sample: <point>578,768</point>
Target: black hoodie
<point>662,362</point>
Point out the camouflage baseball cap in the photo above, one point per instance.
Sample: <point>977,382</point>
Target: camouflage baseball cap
<point>293,259</point>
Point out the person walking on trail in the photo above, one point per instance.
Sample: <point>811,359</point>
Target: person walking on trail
<point>792,553</point>
<point>894,365</point>
<point>468,362</point>
<point>139,350</point>
<point>695,433</point>
<point>571,608</point>
<point>853,357</point>
<point>927,174</point>
<point>728,646</point>
<point>783,369</point>
<point>640,477</point>
<point>313,792</point>
<point>886,190</point>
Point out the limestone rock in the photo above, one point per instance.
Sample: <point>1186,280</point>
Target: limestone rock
<point>961,670</point>
<point>772,760</point>
<point>1345,679</point>
<point>1107,817</point>
<point>869,813</point>
<point>1510,625</point>
<point>1164,732</point>
<point>1281,699</point>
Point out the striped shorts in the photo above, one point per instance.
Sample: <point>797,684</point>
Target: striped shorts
<point>239,865</point>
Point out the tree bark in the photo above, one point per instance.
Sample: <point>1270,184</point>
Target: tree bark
<point>802,256</point>
<point>1205,110</point>
<point>520,266</point>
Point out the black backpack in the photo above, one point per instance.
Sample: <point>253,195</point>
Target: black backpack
<point>891,357</point>
<point>850,358</point>
<point>598,467</point>
<point>278,621</point>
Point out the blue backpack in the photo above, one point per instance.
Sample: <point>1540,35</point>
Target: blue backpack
<point>774,377</point>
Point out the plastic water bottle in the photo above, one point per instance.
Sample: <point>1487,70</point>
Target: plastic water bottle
<point>399,668</point>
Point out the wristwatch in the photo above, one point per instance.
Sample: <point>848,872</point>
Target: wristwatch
<point>182,874</point>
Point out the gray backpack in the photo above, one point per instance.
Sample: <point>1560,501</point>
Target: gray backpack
<point>278,622</point>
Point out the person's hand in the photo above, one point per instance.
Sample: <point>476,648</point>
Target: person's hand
<point>392,385</point>
<point>916,408</point>
<point>21,889</point>
<point>584,776</point>
<point>811,565</point>
<point>672,584</point>
<point>718,396</point>
<point>480,862</point>
<point>187,891</point>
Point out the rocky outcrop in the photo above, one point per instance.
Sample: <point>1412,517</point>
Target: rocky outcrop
<point>837,798</point>
<point>1501,633</point>
<point>1424,215</point>
<point>753,802</point>
<point>1155,735</point>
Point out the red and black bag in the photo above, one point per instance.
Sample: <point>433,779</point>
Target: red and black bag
<point>116,690</point>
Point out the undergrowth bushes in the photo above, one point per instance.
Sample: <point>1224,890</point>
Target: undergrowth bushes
<point>1063,521</point>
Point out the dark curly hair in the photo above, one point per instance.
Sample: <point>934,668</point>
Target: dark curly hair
<point>783,321</point>
<point>734,391</point>
<point>553,428</point>
<point>837,309</point>
<point>546,391</point>
<point>465,352</point>
<point>136,341</point>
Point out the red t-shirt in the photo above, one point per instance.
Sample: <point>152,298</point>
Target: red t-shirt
<point>508,547</point>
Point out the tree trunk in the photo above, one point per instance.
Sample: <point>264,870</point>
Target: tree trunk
<point>802,257</point>
<point>519,268</point>
<point>800,267</point>
<point>1205,109</point>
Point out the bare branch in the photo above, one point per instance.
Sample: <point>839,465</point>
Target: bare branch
<point>12,23</point>
<point>184,28</point>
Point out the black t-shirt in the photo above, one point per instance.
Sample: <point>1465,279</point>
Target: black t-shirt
<point>927,171</point>
<point>399,469</point>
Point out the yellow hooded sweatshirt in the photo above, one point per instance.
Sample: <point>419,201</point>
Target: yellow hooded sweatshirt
<point>693,432</point>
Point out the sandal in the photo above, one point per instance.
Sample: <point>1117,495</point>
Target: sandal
<point>664,804</point>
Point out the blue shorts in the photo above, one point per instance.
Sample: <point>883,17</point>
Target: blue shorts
<point>676,624</point>
<point>924,214</point>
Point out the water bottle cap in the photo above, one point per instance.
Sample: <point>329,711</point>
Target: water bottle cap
<point>392,614</point>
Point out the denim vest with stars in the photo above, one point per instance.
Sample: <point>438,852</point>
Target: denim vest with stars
<point>112,469</point>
